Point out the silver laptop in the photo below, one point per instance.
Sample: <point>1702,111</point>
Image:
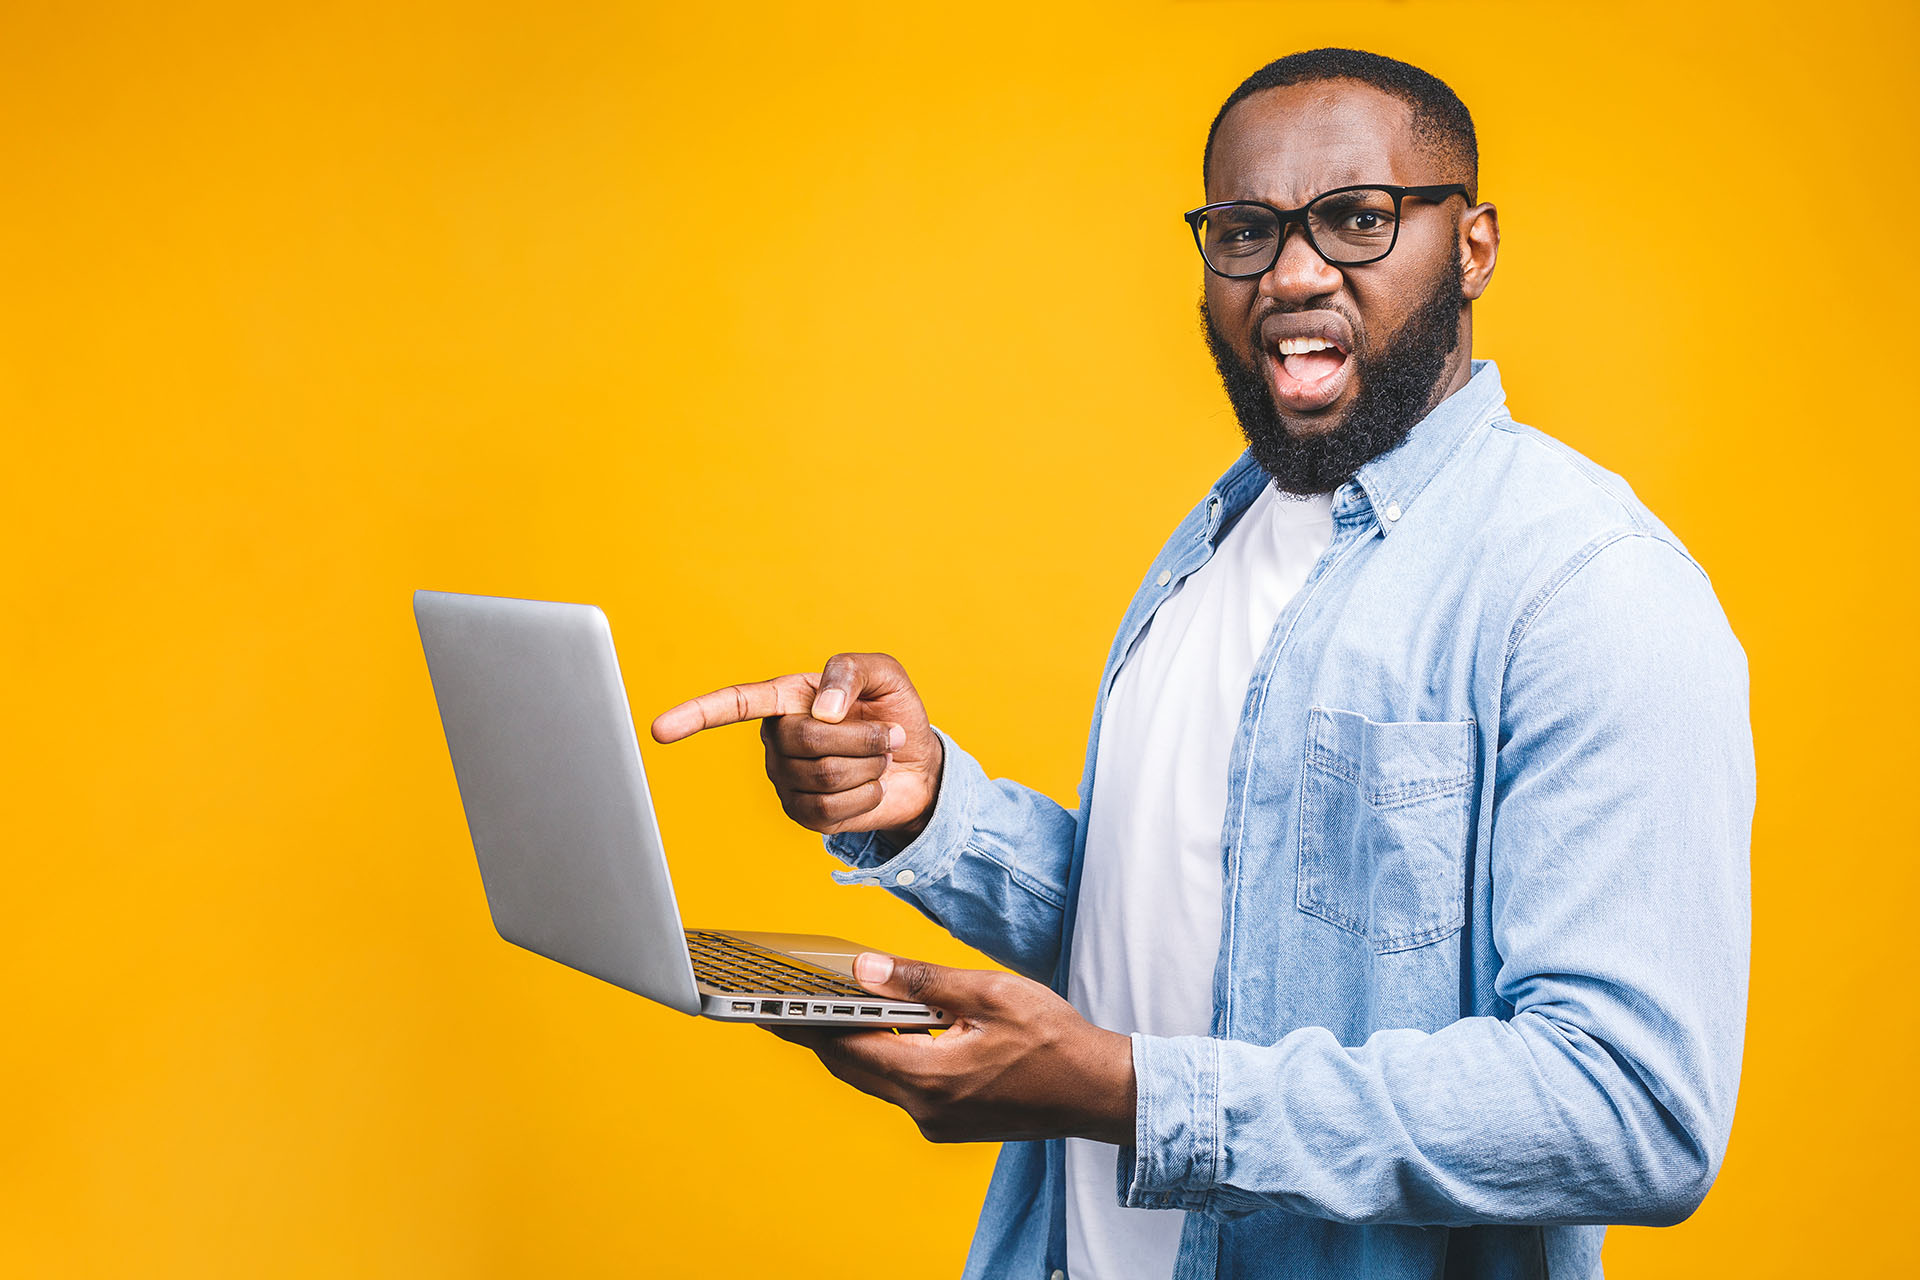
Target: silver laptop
<point>549,769</point>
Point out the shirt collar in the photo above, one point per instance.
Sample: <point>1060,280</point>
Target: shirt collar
<point>1390,483</point>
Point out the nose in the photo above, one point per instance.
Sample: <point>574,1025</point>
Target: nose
<point>1298,274</point>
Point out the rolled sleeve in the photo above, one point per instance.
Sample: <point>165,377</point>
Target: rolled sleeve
<point>1174,1160</point>
<point>932,853</point>
<point>990,867</point>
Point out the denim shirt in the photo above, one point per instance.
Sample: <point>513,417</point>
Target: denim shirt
<point>1483,959</point>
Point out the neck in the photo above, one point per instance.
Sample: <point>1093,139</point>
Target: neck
<point>1459,367</point>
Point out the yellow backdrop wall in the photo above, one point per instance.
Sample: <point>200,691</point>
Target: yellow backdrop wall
<point>742,323</point>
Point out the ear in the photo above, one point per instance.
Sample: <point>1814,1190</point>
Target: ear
<point>1479,249</point>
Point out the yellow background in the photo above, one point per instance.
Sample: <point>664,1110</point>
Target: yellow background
<point>743,323</point>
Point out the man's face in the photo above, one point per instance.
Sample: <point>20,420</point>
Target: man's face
<point>1312,419</point>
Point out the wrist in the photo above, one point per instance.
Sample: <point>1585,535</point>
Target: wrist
<point>1111,1093</point>
<point>906,833</point>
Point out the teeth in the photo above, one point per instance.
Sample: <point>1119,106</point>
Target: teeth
<point>1300,346</point>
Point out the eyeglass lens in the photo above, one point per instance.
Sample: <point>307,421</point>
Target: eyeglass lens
<point>1346,227</point>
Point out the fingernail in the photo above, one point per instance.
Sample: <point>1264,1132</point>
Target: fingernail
<point>869,966</point>
<point>830,704</point>
<point>896,737</point>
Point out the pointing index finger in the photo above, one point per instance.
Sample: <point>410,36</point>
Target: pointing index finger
<point>784,696</point>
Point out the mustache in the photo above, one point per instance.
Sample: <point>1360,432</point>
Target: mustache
<point>1355,331</point>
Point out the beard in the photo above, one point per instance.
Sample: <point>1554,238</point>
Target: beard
<point>1399,385</point>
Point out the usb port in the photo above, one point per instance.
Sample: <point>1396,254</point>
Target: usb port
<point>842,1008</point>
<point>795,1010</point>
<point>869,1010</point>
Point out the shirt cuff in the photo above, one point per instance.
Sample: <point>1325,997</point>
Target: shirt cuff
<point>933,852</point>
<point>1175,1160</point>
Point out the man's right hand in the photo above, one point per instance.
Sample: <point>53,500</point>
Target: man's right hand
<point>849,749</point>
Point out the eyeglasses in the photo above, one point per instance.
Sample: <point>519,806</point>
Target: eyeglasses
<point>1348,226</point>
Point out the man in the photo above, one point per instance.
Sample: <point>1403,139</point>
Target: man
<point>1403,927</point>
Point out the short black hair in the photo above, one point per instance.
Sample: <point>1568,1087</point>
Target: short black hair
<point>1440,120</point>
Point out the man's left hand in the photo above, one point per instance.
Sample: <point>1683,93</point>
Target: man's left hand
<point>1017,1063</point>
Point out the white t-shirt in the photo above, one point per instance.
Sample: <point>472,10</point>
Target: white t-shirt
<point>1147,931</point>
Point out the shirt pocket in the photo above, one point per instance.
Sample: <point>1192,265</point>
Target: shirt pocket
<point>1384,811</point>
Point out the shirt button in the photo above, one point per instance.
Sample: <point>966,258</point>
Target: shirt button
<point>1393,511</point>
<point>1213,505</point>
<point>1058,1275</point>
<point>1166,576</point>
<point>905,877</point>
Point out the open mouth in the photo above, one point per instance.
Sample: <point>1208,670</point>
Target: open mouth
<point>1307,373</point>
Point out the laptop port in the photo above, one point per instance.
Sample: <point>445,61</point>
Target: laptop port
<point>795,1010</point>
<point>844,1008</point>
<point>907,1013</point>
<point>819,1008</point>
<point>771,1007</point>
<point>743,1006</point>
<point>869,1010</point>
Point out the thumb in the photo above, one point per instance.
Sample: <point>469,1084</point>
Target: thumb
<point>841,684</point>
<point>957,989</point>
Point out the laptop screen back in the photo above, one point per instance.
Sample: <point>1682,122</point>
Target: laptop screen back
<point>548,763</point>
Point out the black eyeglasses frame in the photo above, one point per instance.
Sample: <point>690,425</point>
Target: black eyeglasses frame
<point>1291,217</point>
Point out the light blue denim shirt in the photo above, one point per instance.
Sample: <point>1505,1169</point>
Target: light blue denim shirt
<point>1483,962</point>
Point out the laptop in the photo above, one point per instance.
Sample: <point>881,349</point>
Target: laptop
<point>556,799</point>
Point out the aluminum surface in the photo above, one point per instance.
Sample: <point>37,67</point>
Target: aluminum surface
<point>548,763</point>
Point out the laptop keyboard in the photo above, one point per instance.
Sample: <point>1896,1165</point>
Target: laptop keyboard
<point>735,967</point>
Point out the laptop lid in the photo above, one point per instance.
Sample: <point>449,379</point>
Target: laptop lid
<point>548,763</point>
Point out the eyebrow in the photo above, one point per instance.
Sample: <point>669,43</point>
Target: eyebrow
<point>1345,195</point>
<point>1346,178</point>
